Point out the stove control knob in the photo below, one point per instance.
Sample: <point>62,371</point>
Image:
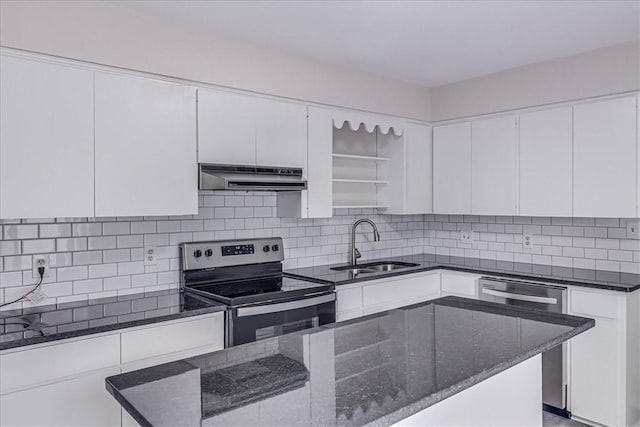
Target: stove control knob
<point>208,253</point>
<point>265,248</point>
<point>275,248</point>
<point>197,253</point>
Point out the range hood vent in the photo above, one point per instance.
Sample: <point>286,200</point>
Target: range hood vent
<point>250,178</point>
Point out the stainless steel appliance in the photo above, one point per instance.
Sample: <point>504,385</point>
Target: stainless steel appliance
<point>543,297</point>
<point>254,178</point>
<point>246,275</point>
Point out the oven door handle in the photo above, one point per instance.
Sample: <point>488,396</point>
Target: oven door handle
<point>520,297</point>
<point>285,306</point>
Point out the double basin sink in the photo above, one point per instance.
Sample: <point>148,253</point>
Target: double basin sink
<point>374,267</point>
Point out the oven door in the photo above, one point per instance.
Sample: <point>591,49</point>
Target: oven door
<point>256,322</point>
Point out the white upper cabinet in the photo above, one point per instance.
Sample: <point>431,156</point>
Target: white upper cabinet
<point>46,140</point>
<point>320,172</point>
<point>452,168</point>
<point>546,156</point>
<point>605,158</point>
<point>226,128</point>
<point>281,133</point>
<point>493,166</point>
<point>145,143</point>
<point>248,130</point>
<point>419,169</point>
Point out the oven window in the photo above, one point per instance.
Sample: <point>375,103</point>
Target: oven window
<point>244,329</point>
<point>276,330</point>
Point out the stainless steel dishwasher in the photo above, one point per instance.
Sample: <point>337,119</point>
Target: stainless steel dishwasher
<point>543,297</point>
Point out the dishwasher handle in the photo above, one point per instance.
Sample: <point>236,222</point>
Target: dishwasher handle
<point>519,297</point>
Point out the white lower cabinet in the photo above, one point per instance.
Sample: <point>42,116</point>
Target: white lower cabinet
<point>63,383</point>
<point>604,374</point>
<point>363,298</point>
<point>81,401</point>
<point>459,284</point>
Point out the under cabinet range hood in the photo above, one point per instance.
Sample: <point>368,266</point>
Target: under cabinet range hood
<point>250,178</point>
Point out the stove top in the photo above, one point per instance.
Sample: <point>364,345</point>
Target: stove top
<point>242,272</point>
<point>258,290</point>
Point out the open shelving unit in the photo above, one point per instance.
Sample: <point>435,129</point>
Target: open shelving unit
<point>364,164</point>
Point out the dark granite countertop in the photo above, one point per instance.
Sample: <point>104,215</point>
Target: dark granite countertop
<point>73,319</point>
<point>599,279</point>
<point>374,370</point>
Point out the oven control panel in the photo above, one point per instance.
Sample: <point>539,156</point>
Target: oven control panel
<point>238,250</point>
<point>224,253</point>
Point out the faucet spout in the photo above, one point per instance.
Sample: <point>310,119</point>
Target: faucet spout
<point>355,254</point>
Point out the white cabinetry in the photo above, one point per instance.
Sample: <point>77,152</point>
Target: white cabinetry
<point>605,158</point>
<point>452,168</point>
<point>46,140</point>
<point>493,166</point>
<point>604,377</point>
<point>363,298</point>
<point>418,169</point>
<point>319,173</point>
<point>459,284</point>
<point>546,156</point>
<point>63,383</point>
<point>249,130</point>
<point>145,147</point>
<point>226,130</point>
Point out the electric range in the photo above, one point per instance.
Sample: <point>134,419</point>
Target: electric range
<point>246,275</point>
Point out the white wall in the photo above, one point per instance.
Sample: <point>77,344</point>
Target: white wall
<point>599,72</point>
<point>110,34</point>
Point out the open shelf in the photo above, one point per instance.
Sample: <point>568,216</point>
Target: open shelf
<point>360,206</point>
<point>360,181</point>
<point>357,157</point>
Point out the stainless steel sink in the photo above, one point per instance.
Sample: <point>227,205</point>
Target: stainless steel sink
<point>374,267</point>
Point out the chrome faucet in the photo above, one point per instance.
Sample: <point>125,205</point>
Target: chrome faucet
<point>355,253</point>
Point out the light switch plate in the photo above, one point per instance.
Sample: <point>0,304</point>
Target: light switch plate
<point>633,230</point>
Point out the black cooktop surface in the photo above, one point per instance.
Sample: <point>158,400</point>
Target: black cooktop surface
<point>258,290</point>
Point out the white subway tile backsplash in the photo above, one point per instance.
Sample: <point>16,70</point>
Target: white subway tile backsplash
<point>41,246</point>
<point>104,256</point>
<point>116,228</point>
<point>12,232</point>
<point>55,230</point>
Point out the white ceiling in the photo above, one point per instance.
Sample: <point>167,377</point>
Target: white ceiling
<point>426,42</point>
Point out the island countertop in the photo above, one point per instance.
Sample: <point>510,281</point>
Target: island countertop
<point>374,370</point>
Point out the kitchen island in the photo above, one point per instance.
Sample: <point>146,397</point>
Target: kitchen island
<point>447,359</point>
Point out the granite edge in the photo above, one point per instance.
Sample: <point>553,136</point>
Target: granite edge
<point>107,328</point>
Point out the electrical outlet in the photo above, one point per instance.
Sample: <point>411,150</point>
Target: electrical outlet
<point>527,242</point>
<point>633,230</point>
<point>40,261</point>
<point>150,254</point>
<point>466,237</point>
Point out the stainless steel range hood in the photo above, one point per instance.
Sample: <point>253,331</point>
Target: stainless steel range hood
<point>250,178</point>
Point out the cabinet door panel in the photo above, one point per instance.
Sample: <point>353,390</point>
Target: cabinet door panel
<point>493,166</point>
<point>81,401</point>
<point>226,128</point>
<point>605,158</point>
<point>595,364</point>
<point>320,144</point>
<point>46,140</point>
<point>419,169</point>
<point>281,134</point>
<point>452,169</point>
<point>165,339</point>
<point>145,147</point>
<point>546,162</point>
